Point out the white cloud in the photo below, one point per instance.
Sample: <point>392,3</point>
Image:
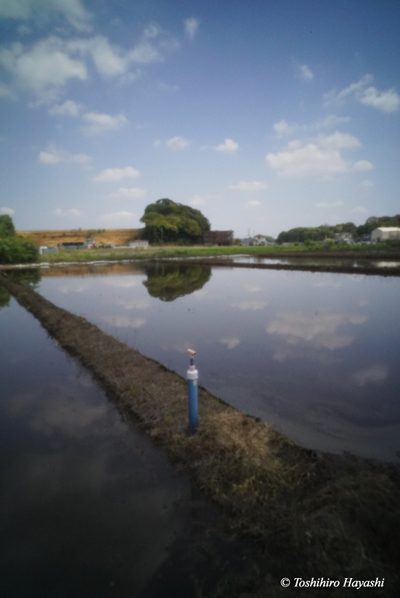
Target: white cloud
<point>333,204</point>
<point>376,373</point>
<point>54,155</point>
<point>333,97</point>
<point>110,175</point>
<point>250,305</point>
<point>359,210</point>
<point>331,121</point>
<point>231,341</point>
<point>191,27</point>
<point>283,128</point>
<point>177,143</point>
<point>249,186</point>
<point>318,330</point>
<point>253,203</point>
<point>166,87</point>
<point>125,193</point>
<point>151,31</point>
<point>6,91</point>
<point>367,184</point>
<point>98,123</point>
<point>73,213</point>
<point>304,72</point>
<point>387,101</point>
<point>134,303</point>
<point>44,69</point>
<point>68,108</point>
<point>145,53</point>
<point>119,219</point>
<point>319,157</point>
<point>7,211</point>
<point>197,200</point>
<point>200,200</point>
<point>337,141</point>
<point>72,10</point>
<point>124,321</point>
<point>228,146</point>
<point>109,60</point>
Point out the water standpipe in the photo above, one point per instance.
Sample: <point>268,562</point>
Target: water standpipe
<point>192,377</point>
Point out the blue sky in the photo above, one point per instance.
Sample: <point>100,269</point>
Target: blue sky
<point>263,115</point>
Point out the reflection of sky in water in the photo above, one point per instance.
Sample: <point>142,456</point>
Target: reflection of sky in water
<point>314,354</point>
<point>88,505</point>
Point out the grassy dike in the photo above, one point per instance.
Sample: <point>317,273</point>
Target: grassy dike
<point>310,515</point>
<point>158,252</point>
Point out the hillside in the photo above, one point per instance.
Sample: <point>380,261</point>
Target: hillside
<point>117,236</point>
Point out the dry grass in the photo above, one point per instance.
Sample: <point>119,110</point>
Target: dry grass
<point>309,515</point>
<point>118,236</point>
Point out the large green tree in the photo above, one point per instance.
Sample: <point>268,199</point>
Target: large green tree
<point>170,222</point>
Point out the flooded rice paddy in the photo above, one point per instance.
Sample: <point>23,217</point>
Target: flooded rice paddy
<point>89,506</point>
<point>314,354</point>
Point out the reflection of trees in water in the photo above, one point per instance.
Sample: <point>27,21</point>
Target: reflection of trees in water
<point>168,282</point>
<point>4,297</point>
<point>28,276</point>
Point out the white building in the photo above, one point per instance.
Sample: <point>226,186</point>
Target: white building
<point>385,233</point>
<point>139,244</point>
<point>47,249</point>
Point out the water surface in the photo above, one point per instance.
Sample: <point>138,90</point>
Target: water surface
<point>89,506</point>
<point>314,354</point>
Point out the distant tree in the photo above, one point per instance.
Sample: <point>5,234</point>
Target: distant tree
<point>316,233</point>
<point>14,249</point>
<point>6,226</point>
<point>170,222</point>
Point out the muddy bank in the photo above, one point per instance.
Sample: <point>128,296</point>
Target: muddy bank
<point>360,254</point>
<point>309,514</point>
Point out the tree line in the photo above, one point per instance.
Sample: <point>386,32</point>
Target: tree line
<point>320,233</point>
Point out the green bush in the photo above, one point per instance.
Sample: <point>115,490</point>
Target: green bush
<point>16,250</point>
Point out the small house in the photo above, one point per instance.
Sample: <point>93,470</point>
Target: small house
<point>385,233</point>
<point>343,238</point>
<point>259,240</point>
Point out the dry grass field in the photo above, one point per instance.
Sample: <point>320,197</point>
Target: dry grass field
<point>117,236</point>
